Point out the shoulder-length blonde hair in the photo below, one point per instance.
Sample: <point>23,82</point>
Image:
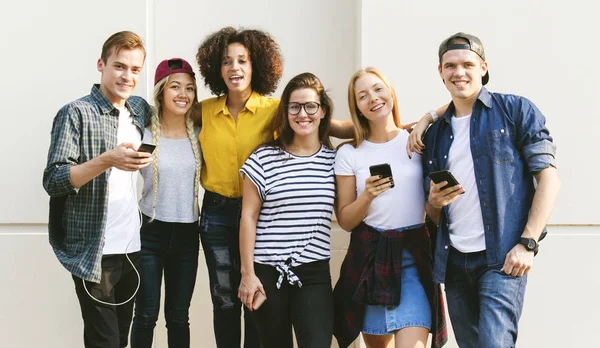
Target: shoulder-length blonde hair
<point>361,123</point>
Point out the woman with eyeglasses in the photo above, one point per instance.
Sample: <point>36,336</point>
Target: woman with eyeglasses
<point>241,68</point>
<point>386,287</point>
<point>289,192</point>
<point>169,204</point>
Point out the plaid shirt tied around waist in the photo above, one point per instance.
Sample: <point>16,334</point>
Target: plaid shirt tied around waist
<point>371,274</point>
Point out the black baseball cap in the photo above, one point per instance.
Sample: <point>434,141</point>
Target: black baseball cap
<point>472,44</point>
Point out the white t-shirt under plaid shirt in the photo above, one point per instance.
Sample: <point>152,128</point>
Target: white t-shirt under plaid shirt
<point>297,196</point>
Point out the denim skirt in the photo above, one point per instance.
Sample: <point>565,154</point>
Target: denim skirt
<point>413,310</point>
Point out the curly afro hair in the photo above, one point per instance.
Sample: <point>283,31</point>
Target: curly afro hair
<point>267,63</point>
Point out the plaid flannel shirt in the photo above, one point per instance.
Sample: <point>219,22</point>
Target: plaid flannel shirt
<point>371,275</point>
<point>82,130</point>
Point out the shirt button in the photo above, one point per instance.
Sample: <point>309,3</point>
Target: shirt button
<point>446,247</point>
<point>502,131</point>
<point>451,137</point>
<point>445,156</point>
<point>430,162</point>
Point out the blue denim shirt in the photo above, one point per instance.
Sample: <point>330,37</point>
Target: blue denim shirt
<point>509,144</point>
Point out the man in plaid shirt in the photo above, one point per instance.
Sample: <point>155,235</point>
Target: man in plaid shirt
<point>91,177</point>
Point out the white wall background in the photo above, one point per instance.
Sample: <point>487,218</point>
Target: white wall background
<point>546,51</point>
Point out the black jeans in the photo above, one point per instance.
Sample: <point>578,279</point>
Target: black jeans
<point>107,326</point>
<point>308,309</point>
<point>220,229</point>
<point>172,248</point>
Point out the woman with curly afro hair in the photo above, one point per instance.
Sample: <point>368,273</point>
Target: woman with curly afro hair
<point>241,68</point>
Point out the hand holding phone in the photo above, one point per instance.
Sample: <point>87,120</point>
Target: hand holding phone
<point>258,300</point>
<point>444,175</point>
<point>384,170</point>
<point>146,148</point>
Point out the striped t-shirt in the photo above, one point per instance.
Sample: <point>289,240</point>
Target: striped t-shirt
<point>297,196</point>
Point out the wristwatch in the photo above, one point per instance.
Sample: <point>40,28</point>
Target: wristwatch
<point>530,244</point>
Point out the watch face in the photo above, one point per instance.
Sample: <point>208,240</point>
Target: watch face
<point>530,244</point>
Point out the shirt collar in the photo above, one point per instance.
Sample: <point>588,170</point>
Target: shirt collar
<point>251,105</point>
<point>485,97</point>
<point>106,105</point>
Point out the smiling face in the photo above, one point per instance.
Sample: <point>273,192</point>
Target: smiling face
<point>236,68</point>
<point>303,124</point>
<point>373,97</point>
<point>462,72</point>
<point>120,74</point>
<point>179,94</point>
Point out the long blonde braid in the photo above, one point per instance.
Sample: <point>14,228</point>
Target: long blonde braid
<point>155,129</point>
<point>189,123</point>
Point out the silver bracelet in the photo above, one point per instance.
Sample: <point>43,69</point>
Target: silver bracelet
<point>434,115</point>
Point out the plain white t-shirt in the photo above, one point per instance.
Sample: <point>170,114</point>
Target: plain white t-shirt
<point>404,204</point>
<point>465,217</point>
<point>122,217</point>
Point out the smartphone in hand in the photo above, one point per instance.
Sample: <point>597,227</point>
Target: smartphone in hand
<point>444,175</point>
<point>383,169</point>
<point>146,148</point>
<point>258,300</point>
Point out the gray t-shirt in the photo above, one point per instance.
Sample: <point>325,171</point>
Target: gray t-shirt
<point>176,169</point>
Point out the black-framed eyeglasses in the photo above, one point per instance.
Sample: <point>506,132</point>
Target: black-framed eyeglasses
<point>311,108</point>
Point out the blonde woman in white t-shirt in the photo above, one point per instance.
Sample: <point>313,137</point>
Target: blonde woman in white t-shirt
<point>385,289</point>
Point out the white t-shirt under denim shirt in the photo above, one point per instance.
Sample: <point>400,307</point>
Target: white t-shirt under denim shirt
<point>465,220</point>
<point>122,232</point>
<point>400,206</point>
<point>177,171</point>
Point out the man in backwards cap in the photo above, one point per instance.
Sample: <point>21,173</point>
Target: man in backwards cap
<point>490,224</point>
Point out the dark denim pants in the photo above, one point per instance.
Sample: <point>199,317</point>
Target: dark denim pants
<point>308,309</point>
<point>220,226</point>
<point>106,326</point>
<point>171,248</point>
<point>484,303</point>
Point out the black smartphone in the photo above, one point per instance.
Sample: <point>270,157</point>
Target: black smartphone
<point>444,175</point>
<point>383,169</point>
<point>146,148</point>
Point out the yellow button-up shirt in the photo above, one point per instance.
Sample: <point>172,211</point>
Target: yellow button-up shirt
<point>227,143</point>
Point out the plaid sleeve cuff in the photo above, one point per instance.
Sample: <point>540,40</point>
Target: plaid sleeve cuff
<point>60,183</point>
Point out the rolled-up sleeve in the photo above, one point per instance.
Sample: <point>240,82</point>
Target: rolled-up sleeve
<point>536,143</point>
<point>540,155</point>
<point>63,153</point>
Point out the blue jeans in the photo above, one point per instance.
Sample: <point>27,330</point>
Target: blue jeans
<point>173,248</point>
<point>484,303</point>
<point>220,226</point>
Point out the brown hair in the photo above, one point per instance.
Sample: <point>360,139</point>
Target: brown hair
<point>281,122</point>
<point>121,40</point>
<point>361,123</point>
<point>265,56</point>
